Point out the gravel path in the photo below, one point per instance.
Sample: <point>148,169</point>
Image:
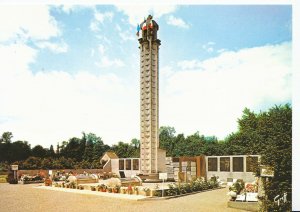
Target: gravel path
<point>27,198</point>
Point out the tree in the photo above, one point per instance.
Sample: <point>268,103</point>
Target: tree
<point>179,146</point>
<point>167,139</point>
<point>6,137</point>
<point>98,149</point>
<point>135,143</point>
<point>275,127</point>
<point>268,134</point>
<point>6,153</point>
<point>123,150</point>
<point>57,149</point>
<point>21,150</point>
<point>39,151</point>
<point>51,152</point>
<point>72,149</point>
<point>89,146</point>
<point>31,163</point>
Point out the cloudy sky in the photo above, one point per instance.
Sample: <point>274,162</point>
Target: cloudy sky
<point>69,69</point>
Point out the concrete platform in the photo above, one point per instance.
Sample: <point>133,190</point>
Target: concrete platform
<point>247,206</point>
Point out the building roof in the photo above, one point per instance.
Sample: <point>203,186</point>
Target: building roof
<point>111,155</point>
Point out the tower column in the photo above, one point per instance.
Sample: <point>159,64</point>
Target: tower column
<point>149,95</point>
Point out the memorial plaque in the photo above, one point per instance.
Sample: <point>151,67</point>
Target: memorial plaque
<point>238,164</point>
<point>225,164</point>
<point>212,164</point>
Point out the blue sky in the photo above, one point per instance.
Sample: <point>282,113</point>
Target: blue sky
<point>69,69</point>
<point>225,27</point>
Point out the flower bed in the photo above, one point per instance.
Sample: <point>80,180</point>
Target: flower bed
<point>185,188</point>
<point>32,179</point>
<point>240,191</point>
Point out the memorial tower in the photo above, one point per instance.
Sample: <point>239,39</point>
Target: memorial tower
<point>149,96</point>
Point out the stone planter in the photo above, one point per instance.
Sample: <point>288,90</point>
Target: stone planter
<point>232,194</point>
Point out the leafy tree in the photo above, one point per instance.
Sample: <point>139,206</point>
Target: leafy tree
<point>98,149</point>
<point>31,163</point>
<point>123,150</point>
<point>167,139</point>
<point>268,134</point>
<point>21,150</point>
<point>179,147</point>
<point>135,143</point>
<point>39,151</point>
<point>51,152</point>
<point>275,127</point>
<point>71,149</point>
<point>6,153</point>
<point>6,137</point>
<point>57,149</point>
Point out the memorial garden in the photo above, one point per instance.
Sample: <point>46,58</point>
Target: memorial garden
<point>267,134</point>
<point>249,169</point>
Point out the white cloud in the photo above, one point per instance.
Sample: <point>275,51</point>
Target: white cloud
<point>106,62</point>
<point>189,64</point>
<point>60,47</point>
<point>74,8</point>
<point>99,19</point>
<point>127,35</point>
<point>101,49</point>
<point>177,22</point>
<point>33,22</point>
<point>48,107</point>
<point>209,47</point>
<point>137,13</point>
<point>221,50</point>
<point>211,97</point>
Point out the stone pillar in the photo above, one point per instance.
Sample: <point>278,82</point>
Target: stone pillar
<point>149,102</point>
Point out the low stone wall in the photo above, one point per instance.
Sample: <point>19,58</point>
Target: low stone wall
<point>84,181</point>
<point>247,206</point>
<point>45,172</point>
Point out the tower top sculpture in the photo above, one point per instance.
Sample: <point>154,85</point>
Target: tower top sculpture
<point>147,30</point>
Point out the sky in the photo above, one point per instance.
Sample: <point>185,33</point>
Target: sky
<point>68,69</point>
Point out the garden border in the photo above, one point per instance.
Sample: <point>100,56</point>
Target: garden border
<point>177,196</point>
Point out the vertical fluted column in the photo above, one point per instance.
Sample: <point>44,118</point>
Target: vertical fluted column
<point>149,112</point>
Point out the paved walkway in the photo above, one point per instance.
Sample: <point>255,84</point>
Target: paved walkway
<point>28,198</point>
<point>97,193</point>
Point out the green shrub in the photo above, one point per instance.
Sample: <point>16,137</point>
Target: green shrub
<point>172,190</point>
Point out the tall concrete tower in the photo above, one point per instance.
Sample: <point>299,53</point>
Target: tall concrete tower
<point>149,96</point>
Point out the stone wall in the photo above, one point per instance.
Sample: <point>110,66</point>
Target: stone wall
<point>45,172</point>
<point>247,176</point>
